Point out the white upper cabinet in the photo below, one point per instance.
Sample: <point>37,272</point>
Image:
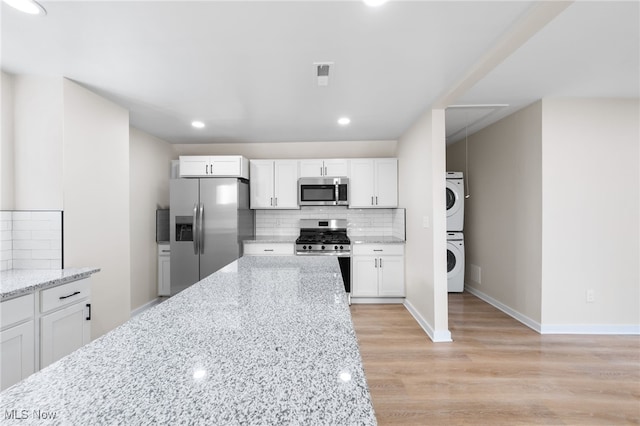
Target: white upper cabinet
<point>274,184</point>
<point>373,183</point>
<point>324,168</point>
<point>214,166</point>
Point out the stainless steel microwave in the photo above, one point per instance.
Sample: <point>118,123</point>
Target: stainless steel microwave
<point>323,191</point>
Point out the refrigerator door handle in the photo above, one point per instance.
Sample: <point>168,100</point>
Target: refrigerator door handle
<point>201,228</point>
<point>194,229</point>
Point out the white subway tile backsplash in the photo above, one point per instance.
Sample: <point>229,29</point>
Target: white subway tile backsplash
<point>32,264</point>
<point>360,222</point>
<point>31,240</point>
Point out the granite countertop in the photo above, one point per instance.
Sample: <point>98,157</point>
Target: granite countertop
<point>17,282</point>
<point>369,239</point>
<point>266,340</point>
<point>376,239</point>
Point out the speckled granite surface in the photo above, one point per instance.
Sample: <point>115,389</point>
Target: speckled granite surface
<point>376,240</point>
<point>265,341</point>
<point>16,282</point>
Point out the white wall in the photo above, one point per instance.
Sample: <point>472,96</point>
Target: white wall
<point>554,212</point>
<point>591,215</point>
<point>283,150</point>
<point>503,216</point>
<point>96,200</point>
<point>421,182</point>
<point>38,142</point>
<point>6,143</point>
<point>150,164</point>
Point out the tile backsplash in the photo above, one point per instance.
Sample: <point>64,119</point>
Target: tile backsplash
<point>360,222</point>
<point>30,240</point>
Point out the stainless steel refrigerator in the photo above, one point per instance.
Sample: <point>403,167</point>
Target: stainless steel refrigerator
<point>210,218</point>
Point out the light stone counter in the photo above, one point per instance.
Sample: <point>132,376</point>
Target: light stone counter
<point>17,282</point>
<point>266,340</point>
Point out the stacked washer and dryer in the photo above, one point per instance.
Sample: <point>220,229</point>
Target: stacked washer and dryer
<point>455,236</point>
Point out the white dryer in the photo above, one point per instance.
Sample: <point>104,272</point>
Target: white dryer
<point>455,201</point>
<point>455,262</point>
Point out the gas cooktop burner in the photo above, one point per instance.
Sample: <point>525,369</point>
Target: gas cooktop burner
<point>328,237</point>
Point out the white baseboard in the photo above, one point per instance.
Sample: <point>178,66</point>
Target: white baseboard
<point>141,309</point>
<point>377,300</point>
<point>556,328</point>
<point>534,325</point>
<point>612,329</point>
<point>435,336</point>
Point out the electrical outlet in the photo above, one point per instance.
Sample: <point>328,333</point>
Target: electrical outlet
<point>591,296</point>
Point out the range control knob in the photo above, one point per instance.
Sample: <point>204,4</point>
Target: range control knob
<point>304,247</point>
<point>310,247</point>
<point>322,247</point>
<point>335,247</point>
<point>341,247</point>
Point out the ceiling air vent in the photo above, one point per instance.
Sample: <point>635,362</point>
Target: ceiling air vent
<point>322,72</point>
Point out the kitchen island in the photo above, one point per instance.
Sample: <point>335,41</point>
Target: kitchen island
<point>266,340</point>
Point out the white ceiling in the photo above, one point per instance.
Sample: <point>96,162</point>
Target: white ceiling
<point>246,68</point>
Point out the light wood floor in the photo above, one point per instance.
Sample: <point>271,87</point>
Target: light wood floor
<point>496,372</point>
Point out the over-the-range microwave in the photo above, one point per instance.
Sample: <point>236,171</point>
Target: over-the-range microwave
<point>323,191</point>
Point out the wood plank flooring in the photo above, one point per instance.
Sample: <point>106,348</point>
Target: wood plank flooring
<point>496,372</point>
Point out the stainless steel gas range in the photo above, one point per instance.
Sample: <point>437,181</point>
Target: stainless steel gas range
<point>327,237</point>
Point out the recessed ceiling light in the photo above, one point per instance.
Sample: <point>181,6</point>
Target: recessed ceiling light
<point>27,6</point>
<point>197,124</point>
<point>343,121</point>
<point>374,3</point>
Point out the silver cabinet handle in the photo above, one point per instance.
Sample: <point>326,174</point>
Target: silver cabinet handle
<point>377,249</point>
<point>320,170</point>
<point>372,200</point>
<point>194,229</point>
<point>206,170</point>
<point>268,249</point>
<point>276,201</point>
<point>381,262</point>
<point>271,202</point>
<point>376,200</point>
<point>376,262</point>
<point>201,228</point>
<point>325,170</point>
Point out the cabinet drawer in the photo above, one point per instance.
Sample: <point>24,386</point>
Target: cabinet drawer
<point>16,310</point>
<point>378,249</point>
<point>65,294</point>
<point>268,249</point>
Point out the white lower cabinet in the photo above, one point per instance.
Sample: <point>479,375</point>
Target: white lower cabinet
<point>164,270</point>
<point>268,249</point>
<point>64,331</point>
<point>17,340</point>
<point>377,270</point>
<point>41,327</point>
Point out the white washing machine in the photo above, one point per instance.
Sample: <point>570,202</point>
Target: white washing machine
<point>455,262</point>
<point>455,201</point>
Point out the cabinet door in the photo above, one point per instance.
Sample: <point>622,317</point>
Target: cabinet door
<point>17,354</point>
<point>391,273</point>
<point>386,181</point>
<point>225,165</point>
<point>164,276</point>
<point>286,184</point>
<point>365,276</point>
<point>261,184</point>
<point>63,331</point>
<point>336,168</point>
<point>311,168</point>
<point>193,165</point>
<point>361,183</point>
